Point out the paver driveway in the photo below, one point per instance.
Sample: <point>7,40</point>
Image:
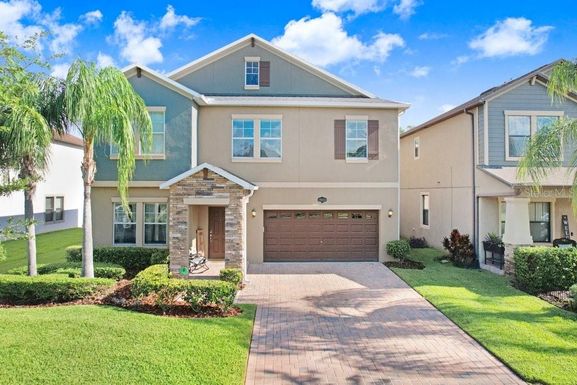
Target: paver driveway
<point>355,323</point>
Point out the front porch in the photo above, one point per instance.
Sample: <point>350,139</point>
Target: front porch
<point>207,216</point>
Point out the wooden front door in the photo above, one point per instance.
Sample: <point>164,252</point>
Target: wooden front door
<point>216,232</point>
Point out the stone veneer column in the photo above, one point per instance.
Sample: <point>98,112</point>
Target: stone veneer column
<point>517,229</point>
<point>234,232</point>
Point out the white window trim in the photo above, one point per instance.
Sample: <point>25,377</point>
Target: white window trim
<point>139,203</point>
<point>349,118</point>
<point>533,126</point>
<point>421,208</point>
<point>417,148</point>
<point>256,158</point>
<point>54,197</point>
<point>252,59</point>
<point>139,155</point>
<point>144,223</point>
<point>135,224</point>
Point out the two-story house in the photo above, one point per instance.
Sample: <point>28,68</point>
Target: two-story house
<point>257,157</point>
<point>459,169</point>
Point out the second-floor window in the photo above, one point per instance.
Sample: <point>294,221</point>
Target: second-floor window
<point>157,147</point>
<point>258,138</point>
<point>251,73</point>
<point>521,125</point>
<point>417,148</point>
<point>356,139</point>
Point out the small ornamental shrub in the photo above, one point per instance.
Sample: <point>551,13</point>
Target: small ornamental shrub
<point>418,243</point>
<point>542,269</point>
<point>133,259</point>
<point>494,239</point>
<point>200,294</point>
<point>3,255</point>
<point>398,249</point>
<point>24,290</point>
<point>573,293</point>
<point>233,276</point>
<point>74,269</point>
<point>460,248</point>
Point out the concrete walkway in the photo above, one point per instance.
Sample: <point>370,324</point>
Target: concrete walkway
<point>355,323</point>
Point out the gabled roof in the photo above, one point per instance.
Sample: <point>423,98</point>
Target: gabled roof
<point>217,170</point>
<point>540,73</point>
<point>247,40</point>
<point>136,69</point>
<point>299,101</point>
<point>68,139</point>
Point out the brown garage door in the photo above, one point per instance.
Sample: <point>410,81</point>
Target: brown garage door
<point>321,235</point>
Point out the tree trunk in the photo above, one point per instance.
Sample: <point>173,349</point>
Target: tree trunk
<point>88,171</point>
<point>30,228</point>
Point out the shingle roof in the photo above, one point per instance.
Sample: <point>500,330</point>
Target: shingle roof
<point>303,101</point>
<point>68,139</point>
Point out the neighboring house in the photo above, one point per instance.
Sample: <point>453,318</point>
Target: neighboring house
<point>59,195</point>
<point>258,156</point>
<point>459,170</point>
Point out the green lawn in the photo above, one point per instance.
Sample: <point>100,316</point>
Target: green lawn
<point>108,345</point>
<point>50,248</point>
<point>536,339</point>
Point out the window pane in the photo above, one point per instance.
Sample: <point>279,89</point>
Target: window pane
<point>120,216</point>
<point>125,233</point>
<point>154,234</point>
<point>49,203</point>
<point>545,121</point>
<point>251,71</point>
<point>58,215</point>
<point>356,139</point>
<point>243,148</point>
<point>157,118</point>
<point>49,216</point>
<point>270,148</point>
<point>157,144</point>
<point>519,125</point>
<point>113,149</point>
<point>328,215</point>
<point>517,145</point>
<point>59,203</point>
<point>342,215</point>
<point>426,202</point>
<point>357,148</point>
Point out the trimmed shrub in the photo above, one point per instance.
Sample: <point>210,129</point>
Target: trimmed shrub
<point>233,276</point>
<point>24,290</point>
<point>418,243</point>
<point>460,248</point>
<point>399,249</point>
<point>74,269</point>
<point>542,269</point>
<point>133,259</point>
<point>573,293</point>
<point>200,294</point>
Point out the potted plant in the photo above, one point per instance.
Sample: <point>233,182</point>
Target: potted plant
<point>493,244</point>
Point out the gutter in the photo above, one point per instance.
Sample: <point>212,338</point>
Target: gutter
<point>474,169</point>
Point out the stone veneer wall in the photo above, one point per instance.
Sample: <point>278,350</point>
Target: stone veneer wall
<point>214,186</point>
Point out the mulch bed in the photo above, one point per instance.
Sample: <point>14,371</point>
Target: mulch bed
<point>406,264</point>
<point>121,296</point>
<point>561,298</point>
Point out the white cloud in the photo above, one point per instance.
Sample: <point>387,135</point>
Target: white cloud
<point>136,44</point>
<point>510,37</point>
<point>60,70</point>
<point>92,17</point>
<point>323,41</point>
<point>358,7</point>
<point>171,19</point>
<point>377,70</point>
<point>420,71</point>
<point>406,8</point>
<point>103,60</point>
<point>432,36</point>
<point>446,107</point>
<point>12,14</point>
<point>63,35</point>
<point>461,60</point>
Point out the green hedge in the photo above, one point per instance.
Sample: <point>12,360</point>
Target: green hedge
<point>231,275</point>
<point>198,293</point>
<point>133,259</point>
<point>542,269</point>
<point>399,249</point>
<point>24,290</point>
<point>74,269</point>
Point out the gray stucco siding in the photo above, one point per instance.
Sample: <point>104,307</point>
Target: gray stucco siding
<point>526,97</point>
<point>178,128</point>
<point>226,77</point>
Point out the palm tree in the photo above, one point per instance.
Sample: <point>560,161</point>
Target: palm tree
<point>26,126</point>
<point>104,107</point>
<point>545,149</point>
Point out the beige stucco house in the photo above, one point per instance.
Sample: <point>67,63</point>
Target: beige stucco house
<point>257,157</point>
<point>459,170</point>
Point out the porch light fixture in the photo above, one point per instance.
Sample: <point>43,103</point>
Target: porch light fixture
<point>253,213</point>
<point>390,213</point>
<point>321,200</point>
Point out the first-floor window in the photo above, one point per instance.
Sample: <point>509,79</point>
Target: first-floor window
<point>124,224</point>
<point>155,221</point>
<point>54,209</point>
<point>539,220</point>
<point>424,209</point>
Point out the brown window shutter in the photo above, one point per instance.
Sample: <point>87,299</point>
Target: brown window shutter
<point>373,139</point>
<point>264,74</point>
<point>340,139</point>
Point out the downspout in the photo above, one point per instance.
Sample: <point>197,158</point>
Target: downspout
<point>474,188</point>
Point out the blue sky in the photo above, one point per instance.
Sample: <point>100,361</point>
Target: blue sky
<point>433,54</point>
